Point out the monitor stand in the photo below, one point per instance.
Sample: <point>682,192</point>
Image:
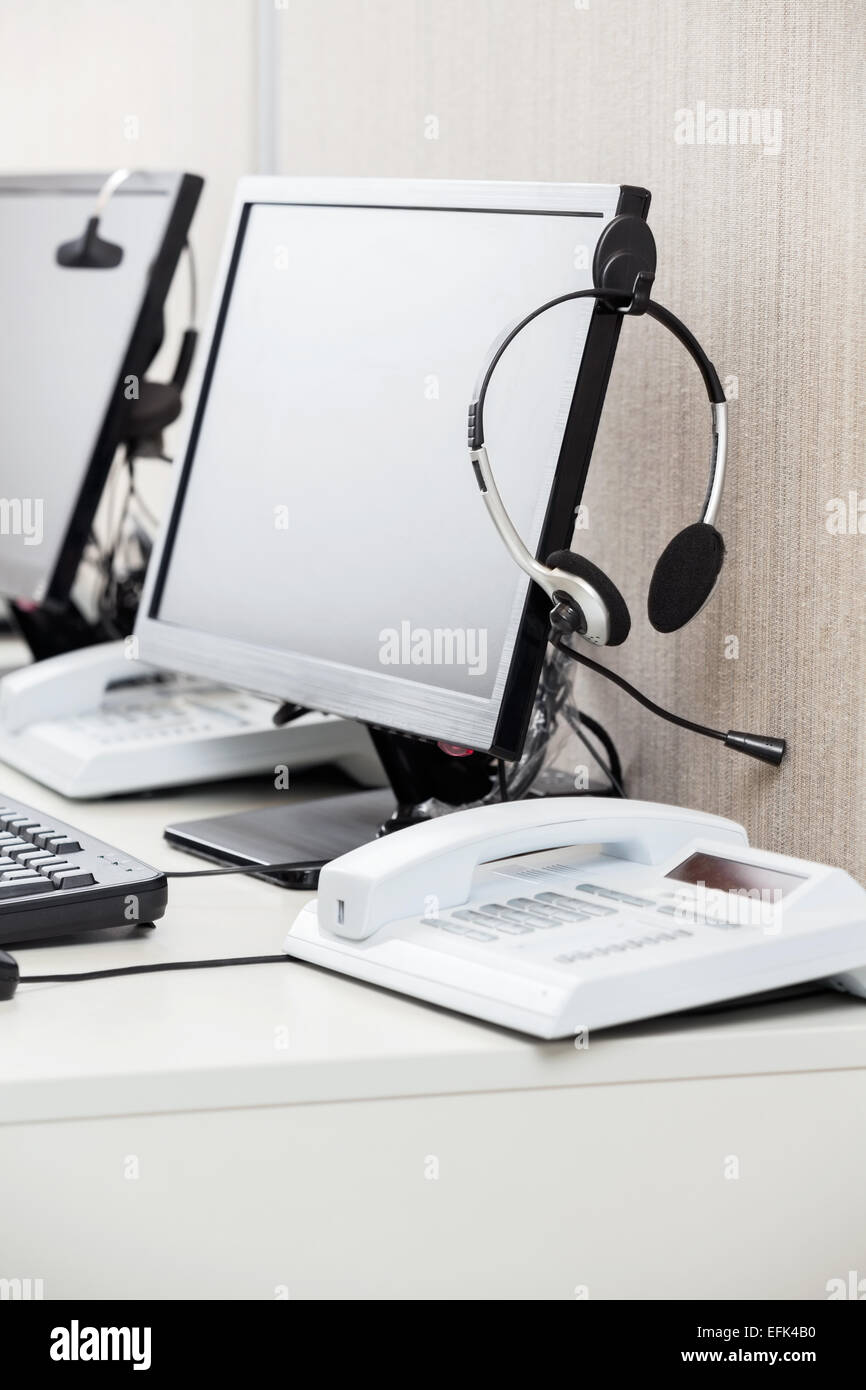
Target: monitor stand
<point>56,629</point>
<point>313,832</point>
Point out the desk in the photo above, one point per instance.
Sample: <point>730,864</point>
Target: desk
<point>274,1131</point>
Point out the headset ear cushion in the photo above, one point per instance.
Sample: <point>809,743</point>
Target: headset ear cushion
<point>619,620</point>
<point>158,405</point>
<point>684,577</point>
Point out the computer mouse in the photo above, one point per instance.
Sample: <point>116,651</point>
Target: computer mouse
<point>8,975</point>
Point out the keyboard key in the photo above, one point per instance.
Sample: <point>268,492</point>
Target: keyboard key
<point>614,895</point>
<point>72,878</point>
<point>41,837</point>
<point>31,856</point>
<point>37,829</point>
<point>24,886</point>
<point>62,844</point>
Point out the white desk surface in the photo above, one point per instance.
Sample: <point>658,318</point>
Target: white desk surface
<point>285,1034</point>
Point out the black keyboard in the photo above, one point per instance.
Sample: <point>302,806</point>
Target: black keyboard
<point>56,880</point>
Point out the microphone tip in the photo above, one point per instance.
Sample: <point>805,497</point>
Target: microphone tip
<point>760,746</point>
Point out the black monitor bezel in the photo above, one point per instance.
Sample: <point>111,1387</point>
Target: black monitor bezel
<point>566,492</point>
<point>146,333</point>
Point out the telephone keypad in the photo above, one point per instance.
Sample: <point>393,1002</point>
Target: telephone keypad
<point>584,927</point>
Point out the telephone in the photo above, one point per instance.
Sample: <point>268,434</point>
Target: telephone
<point>554,915</point>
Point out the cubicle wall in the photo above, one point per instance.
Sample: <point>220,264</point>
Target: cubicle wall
<point>760,249</point>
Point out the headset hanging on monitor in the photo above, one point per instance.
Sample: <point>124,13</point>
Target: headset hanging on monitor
<point>586,602</point>
<point>158,403</point>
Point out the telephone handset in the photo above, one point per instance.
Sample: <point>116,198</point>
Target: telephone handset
<point>563,913</point>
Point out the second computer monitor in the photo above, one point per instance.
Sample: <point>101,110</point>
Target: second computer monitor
<point>327,543</point>
<point>74,342</point>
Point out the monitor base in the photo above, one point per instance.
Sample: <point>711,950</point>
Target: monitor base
<point>320,830</point>
<point>306,831</point>
<point>56,630</point>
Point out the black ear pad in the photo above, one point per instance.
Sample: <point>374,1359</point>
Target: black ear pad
<point>684,577</point>
<point>90,251</point>
<point>619,621</point>
<point>158,405</point>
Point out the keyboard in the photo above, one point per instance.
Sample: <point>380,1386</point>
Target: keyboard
<point>56,880</point>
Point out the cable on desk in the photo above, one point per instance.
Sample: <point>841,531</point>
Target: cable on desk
<point>297,866</point>
<point>156,967</point>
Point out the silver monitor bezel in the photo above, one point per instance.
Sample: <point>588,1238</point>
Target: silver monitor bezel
<point>496,723</point>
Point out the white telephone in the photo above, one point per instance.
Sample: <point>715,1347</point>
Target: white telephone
<point>554,915</point>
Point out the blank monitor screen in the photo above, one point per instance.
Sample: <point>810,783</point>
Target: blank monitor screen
<point>328,543</point>
<point>64,336</point>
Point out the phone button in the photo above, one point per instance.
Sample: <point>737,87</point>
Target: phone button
<point>472,932</point>
<point>467,915</point>
<point>557,915</point>
<point>500,914</point>
<point>458,929</point>
<point>614,895</point>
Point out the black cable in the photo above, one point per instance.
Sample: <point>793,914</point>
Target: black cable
<point>503,782</point>
<point>605,739</point>
<point>156,967</point>
<point>295,866</point>
<point>594,753</point>
<point>644,700</point>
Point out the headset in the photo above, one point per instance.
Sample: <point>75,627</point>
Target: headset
<point>158,403</point>
<point>586,602</point>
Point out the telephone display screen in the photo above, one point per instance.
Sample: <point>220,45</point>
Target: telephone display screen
<point>729,875</point>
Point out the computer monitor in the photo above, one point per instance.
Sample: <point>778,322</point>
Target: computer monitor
<point>326,541</point>
<point>71,341</point>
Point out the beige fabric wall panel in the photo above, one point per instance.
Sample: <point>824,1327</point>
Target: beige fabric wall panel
<point>760,249</point>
